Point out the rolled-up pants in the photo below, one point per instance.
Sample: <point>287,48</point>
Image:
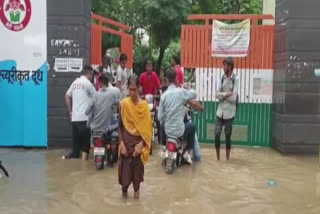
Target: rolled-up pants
<point>189,135</point>
<point>227,129</point>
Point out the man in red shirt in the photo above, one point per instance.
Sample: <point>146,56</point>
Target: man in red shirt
<point>175,63</point>
<point>149,81</point>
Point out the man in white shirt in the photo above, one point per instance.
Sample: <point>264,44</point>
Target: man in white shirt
<point>78,98</point>
<point>123,74</point>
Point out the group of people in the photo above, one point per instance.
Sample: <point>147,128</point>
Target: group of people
<point>94,97</point>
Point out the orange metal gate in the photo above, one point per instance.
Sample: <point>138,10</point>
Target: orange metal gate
<point>196,43</point>
<point>252,123</point>
<point>98,26</point>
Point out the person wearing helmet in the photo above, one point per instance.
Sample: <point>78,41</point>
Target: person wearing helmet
<point>227,95</point>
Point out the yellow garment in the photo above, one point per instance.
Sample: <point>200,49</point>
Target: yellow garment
<point>137,121</point>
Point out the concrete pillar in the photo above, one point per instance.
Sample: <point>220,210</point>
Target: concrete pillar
<point>269,7</point>
<point>296,108</point>
<point>68,35</point>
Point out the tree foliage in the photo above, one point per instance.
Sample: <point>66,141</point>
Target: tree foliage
<point>240,6</point>
<point>164,19</point>
<point>124,11</point>
<point>161,18</point>
<point>229,6</point>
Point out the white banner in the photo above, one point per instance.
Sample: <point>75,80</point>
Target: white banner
<point>230,39</point>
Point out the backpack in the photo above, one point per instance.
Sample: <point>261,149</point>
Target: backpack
<point>233,79</point>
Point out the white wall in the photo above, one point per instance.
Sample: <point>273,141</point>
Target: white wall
<point>269,7</point>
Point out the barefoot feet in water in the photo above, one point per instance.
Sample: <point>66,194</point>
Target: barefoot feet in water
<point>137,195</point>
<point>125,194</point>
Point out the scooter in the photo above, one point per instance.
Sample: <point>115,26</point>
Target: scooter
<point>106,146</point>
<point>3,172</point>
<point>99,149</point>
<point>112,142</point>
<point>150,99</point>
<point>173,155</point>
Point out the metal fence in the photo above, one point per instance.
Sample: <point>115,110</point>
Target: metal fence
<point>101,24</point>
<point>255,73</point>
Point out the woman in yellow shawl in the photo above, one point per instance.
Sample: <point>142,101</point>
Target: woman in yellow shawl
<point>135,130</point>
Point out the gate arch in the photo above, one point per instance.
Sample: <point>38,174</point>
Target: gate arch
<point>97,27</point>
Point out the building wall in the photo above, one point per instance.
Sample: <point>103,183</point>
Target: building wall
<point>269,7</point>
<point>296,108</point>
<point>68,37</point>
<point>23,75</point>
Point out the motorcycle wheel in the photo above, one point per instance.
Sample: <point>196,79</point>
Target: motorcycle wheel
<point>100,164</point>
<point>169,166</point>
<point>116,152</point>
<point>109,157</point>
<point>112,156</point>
<point>151,148</point>
<point>3,172</point>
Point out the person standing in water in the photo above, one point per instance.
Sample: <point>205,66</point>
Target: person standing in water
<point>135,130</point>
<point>78,98</point>
<point>227,95</point>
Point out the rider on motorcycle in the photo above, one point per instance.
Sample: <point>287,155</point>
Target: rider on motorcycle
<point>171,113</point>
<point>102,69</point>
<point>150,84</point>
<point>149,80</point>
<point>100,110</point>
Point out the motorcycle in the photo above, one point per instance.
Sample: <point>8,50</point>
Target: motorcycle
<point>150,99</point>
<point>3,172</point>
<point>112,142</point>
<point>172,154</point>
<point>106,146</point>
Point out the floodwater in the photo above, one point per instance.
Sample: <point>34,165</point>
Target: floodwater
<point>256,180</point>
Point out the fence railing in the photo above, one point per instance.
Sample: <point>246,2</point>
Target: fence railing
<point>255,74</point>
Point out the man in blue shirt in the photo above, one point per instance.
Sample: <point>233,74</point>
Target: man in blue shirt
<point>171,113</point>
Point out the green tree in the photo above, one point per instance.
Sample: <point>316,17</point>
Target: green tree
<point>240,6</point>
<point>206,6</point>
<point>164,19</point>
<point>229,6</point>
<point>124,11</point>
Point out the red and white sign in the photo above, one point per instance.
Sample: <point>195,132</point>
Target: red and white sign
<point>15,14</point>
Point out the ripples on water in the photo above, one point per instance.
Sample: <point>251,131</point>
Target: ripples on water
<point>41,182</point>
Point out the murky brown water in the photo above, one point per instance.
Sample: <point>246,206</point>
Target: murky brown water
<point>43,183</point>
